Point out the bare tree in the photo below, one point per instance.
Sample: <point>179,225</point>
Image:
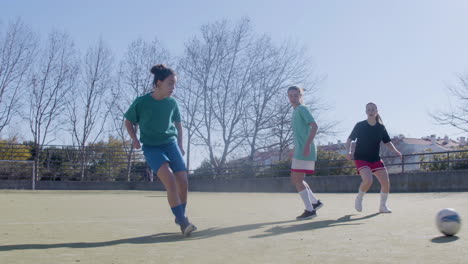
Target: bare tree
<point>117,110</point>
<point>220,66</point>
<point>236,97</point>
<point>457,115</point>
<point>189,95</point>
<point>134,79</point>
<point>17,52</point>
<point>281,132</point>
<point>140,57</point>
<point>50,87</point>
<point>87,108</point>
<point>276,69</point>
<point>198,63</point>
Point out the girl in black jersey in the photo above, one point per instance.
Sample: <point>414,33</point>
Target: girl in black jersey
<point>368,134</point>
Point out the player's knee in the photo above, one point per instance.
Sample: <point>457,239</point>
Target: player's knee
<point>171,186</point>
<point>385,186</point>
<point>167,177</point>
<point>367,181</point>
<point>183,184</point>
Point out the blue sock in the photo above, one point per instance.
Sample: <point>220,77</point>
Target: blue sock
<point>184,205</point>
<point>178,211</point>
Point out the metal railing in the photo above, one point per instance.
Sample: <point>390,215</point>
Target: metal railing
<point>410,163</point>
<point>71,163</point>
<point>103,163</point>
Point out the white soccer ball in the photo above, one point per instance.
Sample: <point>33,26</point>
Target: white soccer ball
<point>448,221</point>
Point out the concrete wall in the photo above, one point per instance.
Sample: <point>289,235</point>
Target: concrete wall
<point>450,181</point>
<point>410,182</point>
<point>73,185</point>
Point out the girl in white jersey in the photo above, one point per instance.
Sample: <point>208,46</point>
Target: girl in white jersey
<point>305,153</point>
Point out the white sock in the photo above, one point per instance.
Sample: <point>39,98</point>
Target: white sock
<point>361,194</point>
<point>312,196</point>
<point>383,199</point>
<point>305,198</point>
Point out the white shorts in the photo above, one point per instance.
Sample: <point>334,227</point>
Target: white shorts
<point>306,166</point>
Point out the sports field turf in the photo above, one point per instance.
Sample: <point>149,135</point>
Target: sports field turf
<point>137,227</point>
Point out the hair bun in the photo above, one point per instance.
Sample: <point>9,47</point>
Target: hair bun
<point>158,67</point>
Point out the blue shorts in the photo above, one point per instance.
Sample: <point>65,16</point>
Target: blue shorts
<point>170,153</point>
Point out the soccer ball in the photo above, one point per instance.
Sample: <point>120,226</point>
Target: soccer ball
<point>448,221</point>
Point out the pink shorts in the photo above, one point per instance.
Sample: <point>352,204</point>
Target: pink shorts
<point>373,166</point>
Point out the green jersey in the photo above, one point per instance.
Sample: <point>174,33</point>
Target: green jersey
<point>155,118</point>
<point>301,120</point>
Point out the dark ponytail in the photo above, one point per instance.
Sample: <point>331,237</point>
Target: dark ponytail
<point>378,119</point>
<point>161,72</point>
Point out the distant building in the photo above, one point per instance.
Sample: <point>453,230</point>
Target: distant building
<point>339,147</point>
<point>418,145</point>
<point>403,144</point>
<point>269,156</point>
<point>424,145</point>
<point>409,146</point>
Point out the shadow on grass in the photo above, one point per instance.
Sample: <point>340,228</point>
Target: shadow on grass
<point>344,220</point>
<point>157,238</point>
<point>278,230</point>
<point>206,233</point>
<point>444,239</point>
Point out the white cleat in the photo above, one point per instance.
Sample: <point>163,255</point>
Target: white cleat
<point>384,209</point>
<point>358,204</point>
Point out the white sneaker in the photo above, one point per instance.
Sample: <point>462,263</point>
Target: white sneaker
<point>384,209</point>
<point>358,204</point>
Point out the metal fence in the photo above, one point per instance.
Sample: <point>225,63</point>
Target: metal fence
<point>71,163</point>
<point>104,163</point>
<point>410,163</point>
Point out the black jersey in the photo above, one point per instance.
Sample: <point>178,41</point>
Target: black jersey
<point>368,140</point>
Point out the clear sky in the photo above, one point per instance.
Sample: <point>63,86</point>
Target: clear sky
<point>400,54</point>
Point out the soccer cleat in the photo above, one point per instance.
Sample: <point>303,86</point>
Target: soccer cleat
<point>187,229</point>
<point>186,218</point>
<point>177,223</point>
<point>358,204</point>
<point>317,205</point>
<point>384,209</point>
<point>307,215</point>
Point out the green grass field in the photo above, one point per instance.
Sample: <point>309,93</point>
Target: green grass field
<point>138,227</point>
